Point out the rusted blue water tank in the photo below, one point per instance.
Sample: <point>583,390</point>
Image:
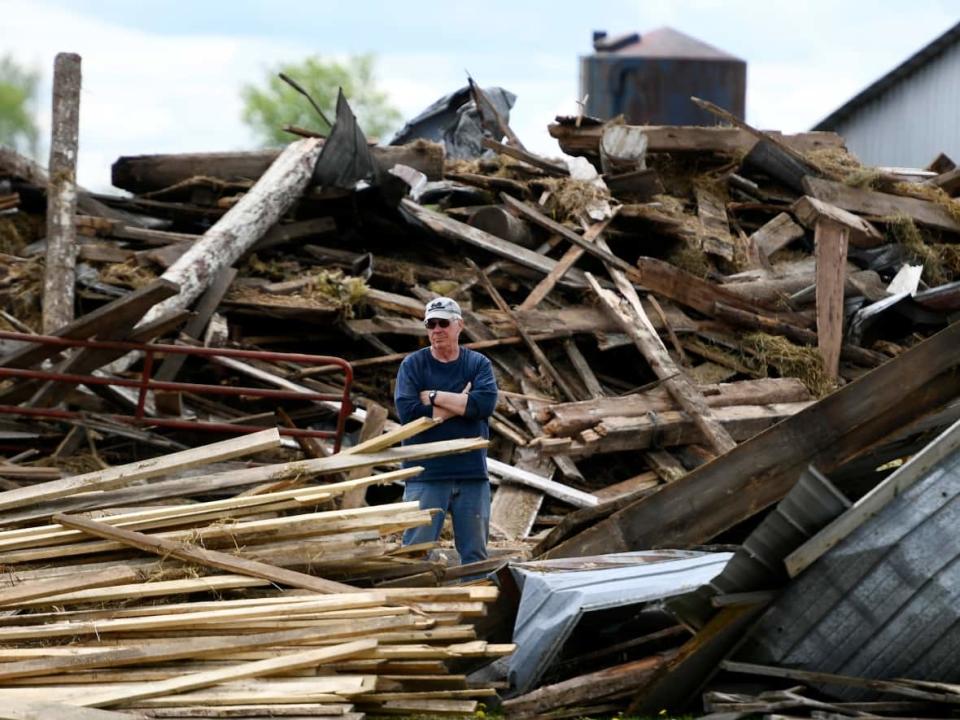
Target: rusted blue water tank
<point>649,78</point>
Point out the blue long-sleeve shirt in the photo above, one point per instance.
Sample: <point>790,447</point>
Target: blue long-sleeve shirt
<point>421,371</point>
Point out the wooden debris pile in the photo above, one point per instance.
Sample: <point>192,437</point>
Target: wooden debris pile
<point>681,319</point>
<point>233,610</point>
<point>748,272</point>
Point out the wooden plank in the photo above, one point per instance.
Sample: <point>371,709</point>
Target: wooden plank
<point>653,350</point>
<point>809,210</point>
<point>609,682</point>
<point>776,234</point>
<point>145,173</point>
<point>372,427</point>
<point>126,474</point>
<point>878,204</point>
<point>752,476</point>
<point>683,675</point>
<point>455,230</point>
<point>570,257</point>
<point>821,678</point>
<point>679,138</point>
<point>772,142</point>
<point>250,476</point>
<point>580,364</point>
<point>257,668</point>
<point>617,434</point>
<point>138,653</point>
<point>518,153</point>
<point>656,275</point>
<point>569,418</point>
<point>570,495</point>
<point>33,590</point>
<point>14,709</point>
<point>831,253</point>
<point>204,310</point>
<point>715,236</point>
<point>209,558</point>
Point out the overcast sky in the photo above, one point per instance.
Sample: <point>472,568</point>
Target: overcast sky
<point>165,76</point>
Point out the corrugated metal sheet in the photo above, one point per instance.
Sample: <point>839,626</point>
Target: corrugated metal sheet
<point>651,81</point>
<point>758,563</point>
<point>883,603</point>
<point>910,114</point>
<point>556,594</point>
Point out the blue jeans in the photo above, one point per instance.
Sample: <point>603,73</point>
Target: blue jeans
<point>467,501</point>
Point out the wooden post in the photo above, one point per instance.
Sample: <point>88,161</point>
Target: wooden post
<point>58,282</point>
<point>831,253</point>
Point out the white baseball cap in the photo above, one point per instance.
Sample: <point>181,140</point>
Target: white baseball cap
<point>443,308</point>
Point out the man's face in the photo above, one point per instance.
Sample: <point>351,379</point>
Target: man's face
<point>442,337</point>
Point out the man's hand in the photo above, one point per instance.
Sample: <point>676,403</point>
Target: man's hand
<point>447,404</point>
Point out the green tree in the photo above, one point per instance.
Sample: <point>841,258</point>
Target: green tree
<point>18,98</point>
<point>268,107</point>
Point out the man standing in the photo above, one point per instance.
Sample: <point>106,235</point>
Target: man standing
<point>457,385</point>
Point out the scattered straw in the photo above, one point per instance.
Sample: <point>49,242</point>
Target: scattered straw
<point>21,290</point>
<point>443,287</point>
<point>332,285</point>
<point>274,270</point>
<point>18,230</point>
<point>931,193</point>
<point>789,360</point>
<point>570,200</point>
<point>128,274</point>
<point>689,256</point>
<point>941,262</point>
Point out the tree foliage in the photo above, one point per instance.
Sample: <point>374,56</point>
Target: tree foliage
<point>268,107</point>
<point>18,98</point>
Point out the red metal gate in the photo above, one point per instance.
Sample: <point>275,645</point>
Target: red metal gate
<point>338,402</point>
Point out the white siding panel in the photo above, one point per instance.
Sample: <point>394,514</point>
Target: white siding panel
<point>913,121</point>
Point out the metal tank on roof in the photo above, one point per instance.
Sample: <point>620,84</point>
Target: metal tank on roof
<point>649,78</point>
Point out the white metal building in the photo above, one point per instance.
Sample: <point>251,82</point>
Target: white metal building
<point>911,114</point>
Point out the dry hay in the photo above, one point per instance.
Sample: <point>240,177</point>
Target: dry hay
<point>690,256</point>
<point>325,289</point>
<point>127,274</point>
<point>443,287</point>
<point>344,291</point>
<point>273,270</point>
<point>571,200</point>
<point>17,230</point>
<point>21,289</point>
<point>931,193</point>
<point>840,163</point>
<point>680,173</point>
<point>941,261</point>
<point>790,360</point>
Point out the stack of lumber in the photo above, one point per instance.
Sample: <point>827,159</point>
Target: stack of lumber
<point>226,608</point>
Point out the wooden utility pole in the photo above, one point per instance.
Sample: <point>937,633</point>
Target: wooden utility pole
<point>58,282</point>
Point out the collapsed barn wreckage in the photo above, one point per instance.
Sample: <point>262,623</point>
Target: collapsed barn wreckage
<point>658,520</point>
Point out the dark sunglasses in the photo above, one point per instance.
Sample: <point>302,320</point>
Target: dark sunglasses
<point>433,322</point>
